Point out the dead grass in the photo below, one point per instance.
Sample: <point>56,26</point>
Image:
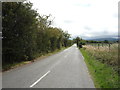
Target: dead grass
<point>104,54</point>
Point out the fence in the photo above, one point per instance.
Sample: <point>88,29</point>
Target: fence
<point>103,45</point>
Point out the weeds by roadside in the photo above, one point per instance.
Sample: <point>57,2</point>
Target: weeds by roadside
<point>103,75</point>
<point>17,64</point>
<point>104,55</point>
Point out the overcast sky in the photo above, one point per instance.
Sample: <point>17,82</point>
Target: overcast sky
<point>84,18</point>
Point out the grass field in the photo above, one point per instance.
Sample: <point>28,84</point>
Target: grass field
<point>102,64</point>
<point>105,54</point>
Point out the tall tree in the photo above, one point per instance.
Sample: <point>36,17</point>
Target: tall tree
<point>26,34</point>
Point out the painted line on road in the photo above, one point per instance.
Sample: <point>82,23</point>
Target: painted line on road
<point>39,79</point>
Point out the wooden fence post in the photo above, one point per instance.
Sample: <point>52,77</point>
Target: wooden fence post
<point>102,44</point>
<point>98,45</point>
<point>109,46</point>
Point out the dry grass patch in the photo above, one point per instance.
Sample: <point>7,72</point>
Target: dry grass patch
<point>105,54</point>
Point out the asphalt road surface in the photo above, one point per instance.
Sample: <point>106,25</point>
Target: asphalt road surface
<point>65,69</point>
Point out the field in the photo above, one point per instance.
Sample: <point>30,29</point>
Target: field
<point>102,62</point>
<point>105,53</point>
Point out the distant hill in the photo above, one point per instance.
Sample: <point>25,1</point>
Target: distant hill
<point>102,39</point>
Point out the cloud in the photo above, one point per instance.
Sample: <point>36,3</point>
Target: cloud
<point>68,21</point>
<point>85,18</point>
<point>99,34</point>
<point>83,5</point>
<point>116,15</point>
<point>87,28</point>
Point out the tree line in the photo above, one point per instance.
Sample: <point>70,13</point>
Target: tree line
<point>27,34</point>
<point>79,41</point>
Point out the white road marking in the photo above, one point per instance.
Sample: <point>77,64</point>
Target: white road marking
<point>39,79</point>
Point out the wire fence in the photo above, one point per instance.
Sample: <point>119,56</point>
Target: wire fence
<point>99,46</point>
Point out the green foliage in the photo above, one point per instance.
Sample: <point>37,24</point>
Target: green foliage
<point>105,54</point>
<point>79,41</point>
<point>27,34</point>
<point>103,75</point>
<point>106,41</point>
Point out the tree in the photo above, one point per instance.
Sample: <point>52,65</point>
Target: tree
<point>77,40</point>
<point>18,31</point>
<point>106,41</point>
<point>27,35</point>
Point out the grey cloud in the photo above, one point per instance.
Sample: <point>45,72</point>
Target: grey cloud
<point>95,35</point>
<point>100,36</point>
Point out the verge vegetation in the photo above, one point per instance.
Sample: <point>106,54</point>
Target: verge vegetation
<point>102,65</point>
<point>18,64</point>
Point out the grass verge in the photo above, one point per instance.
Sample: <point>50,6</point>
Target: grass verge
<point>103,75</point>
<point>17,64</point>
